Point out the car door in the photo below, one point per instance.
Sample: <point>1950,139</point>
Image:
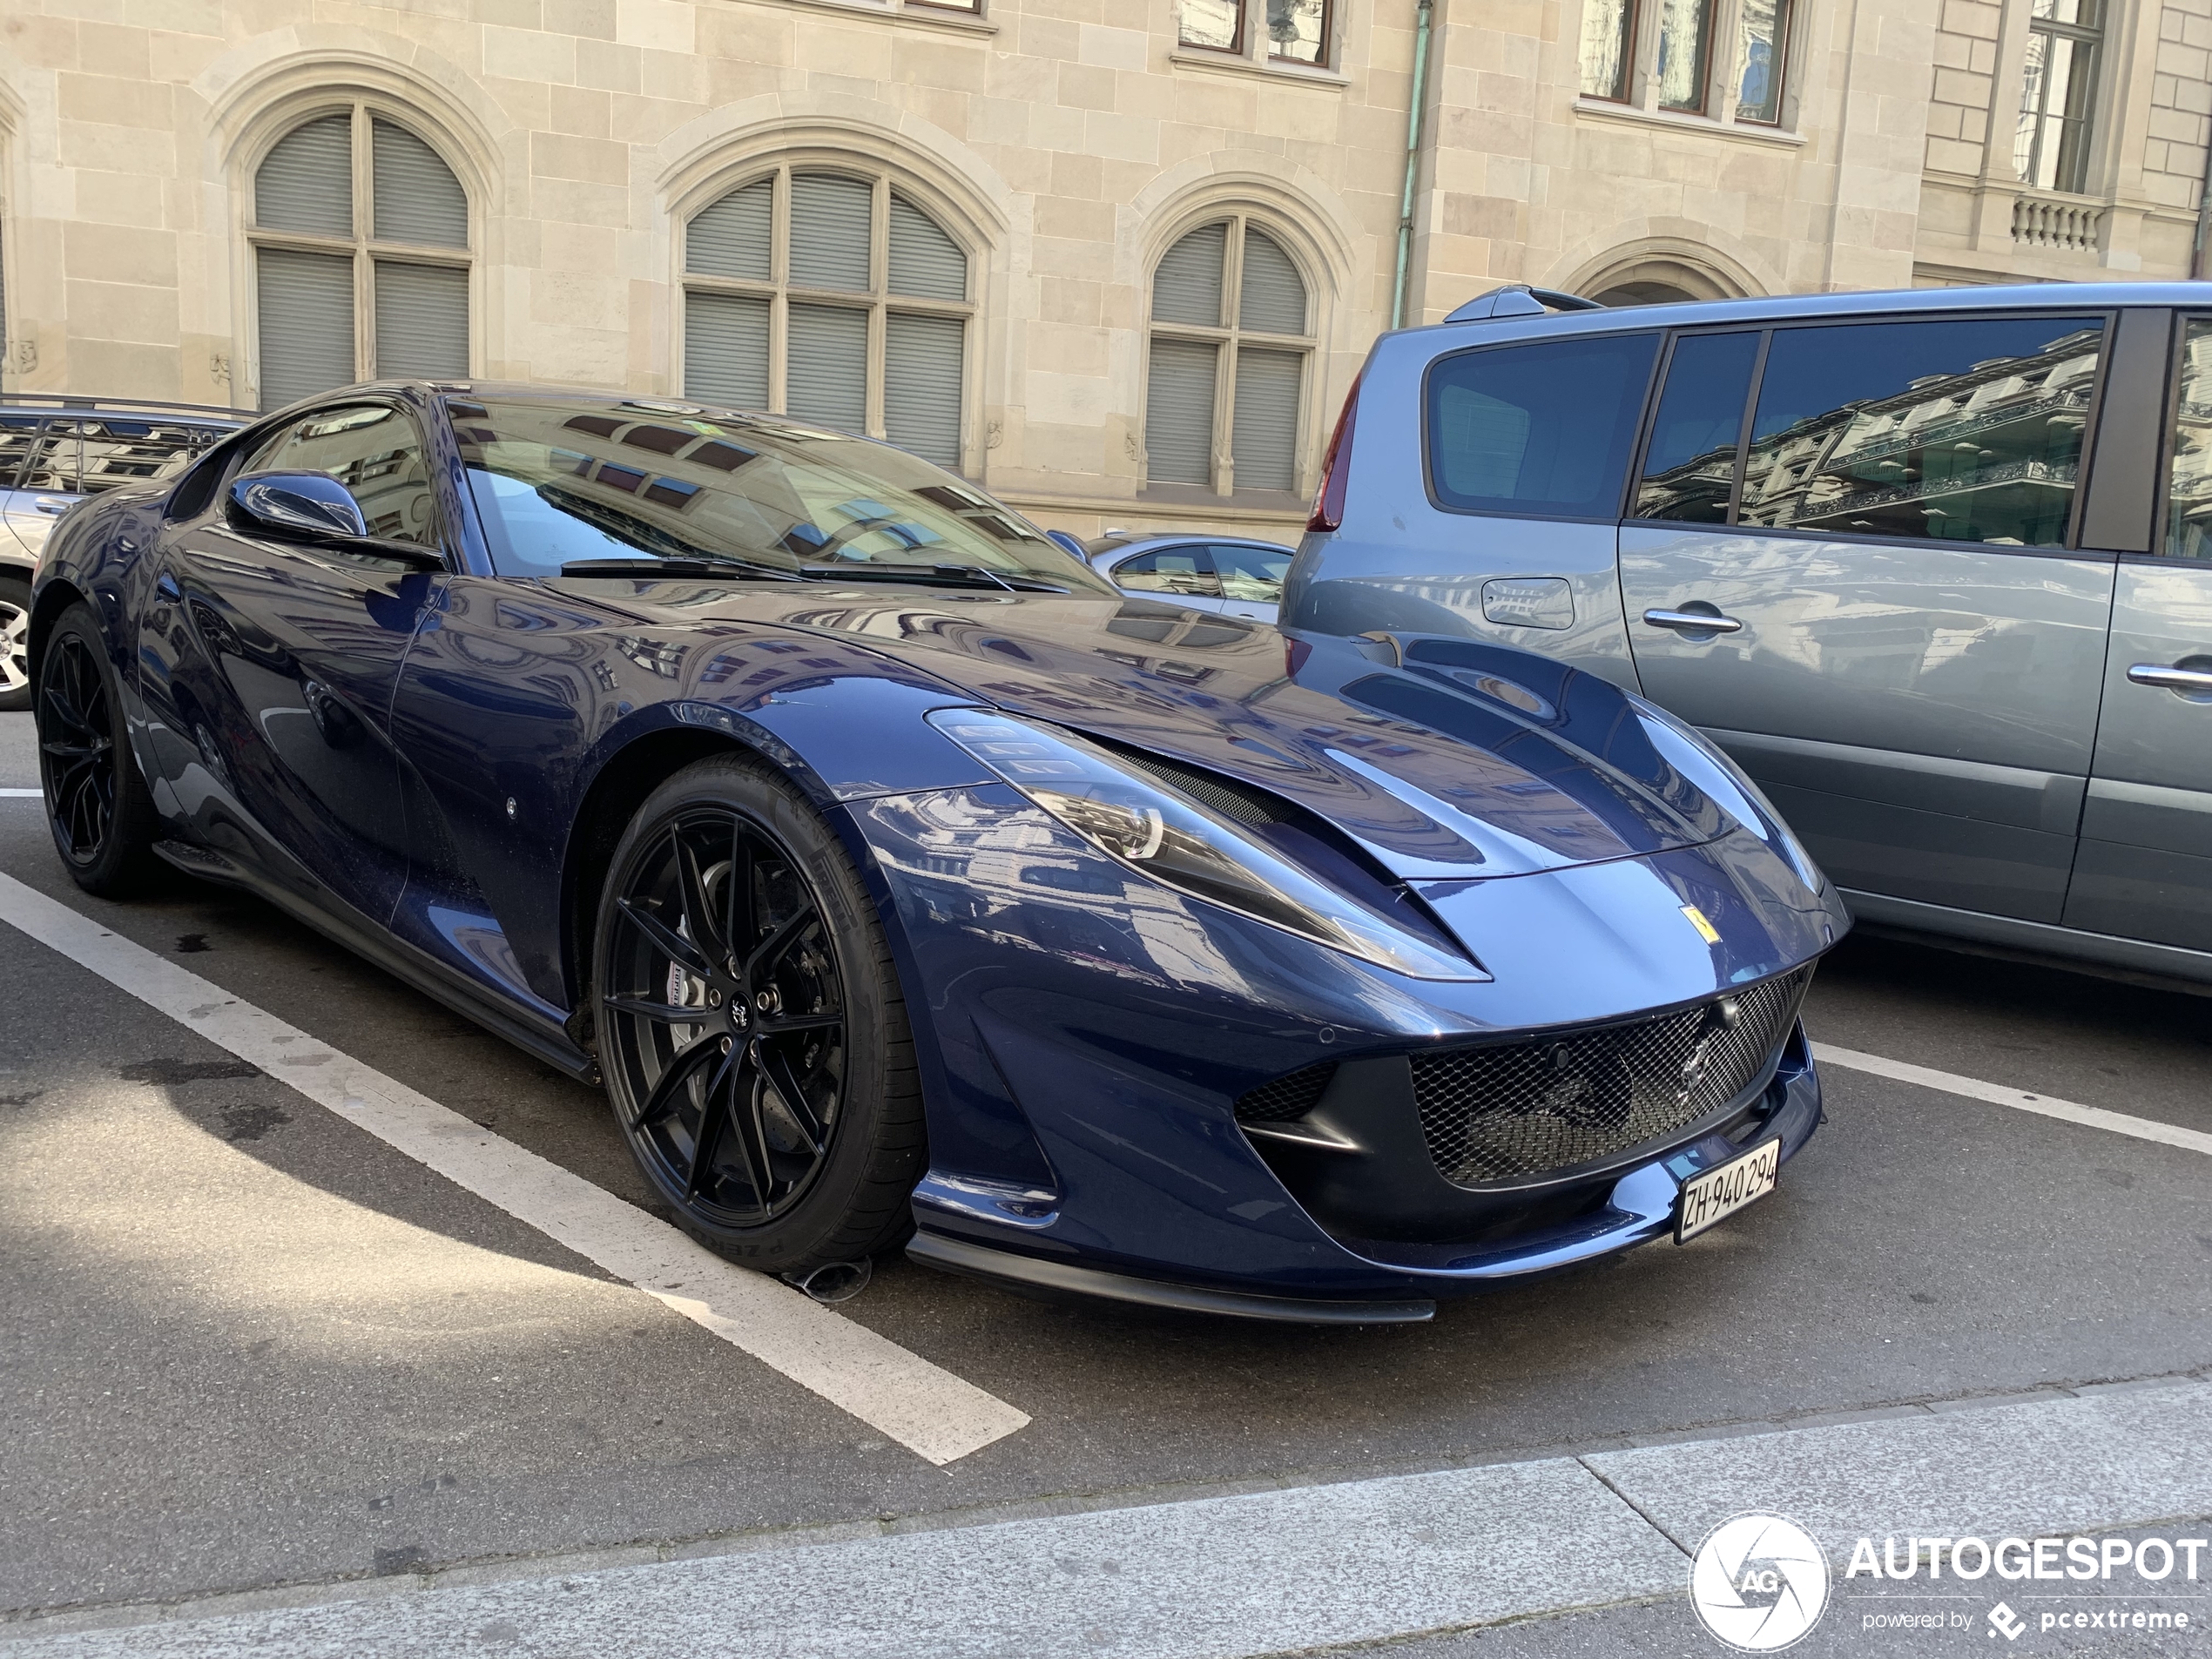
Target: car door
<point>1183,573</point>
<point>1251,575</point>
<point>1889,624</point>
<point>2145,867</point>
<point>271,664</point>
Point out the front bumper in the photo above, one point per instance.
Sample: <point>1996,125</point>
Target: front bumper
<point>1591,1217</point>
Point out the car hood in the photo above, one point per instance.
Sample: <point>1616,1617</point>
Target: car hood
<point>1446,758</point>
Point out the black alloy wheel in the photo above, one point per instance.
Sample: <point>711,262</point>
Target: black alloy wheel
<point>749,1026</point>
<point>15,644</point>
<point>97,803</point>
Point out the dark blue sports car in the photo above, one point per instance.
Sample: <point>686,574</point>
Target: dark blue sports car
<point>901,880</point>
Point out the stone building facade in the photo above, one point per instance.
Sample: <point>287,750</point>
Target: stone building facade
<point>1118,261</point>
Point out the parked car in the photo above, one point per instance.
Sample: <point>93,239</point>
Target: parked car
<point>893,870</point>
<point>54,451</point>
<point>1218,573</point>
<point>1934,566</point>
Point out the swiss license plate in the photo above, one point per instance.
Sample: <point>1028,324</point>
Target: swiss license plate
<point>1725,1189</point>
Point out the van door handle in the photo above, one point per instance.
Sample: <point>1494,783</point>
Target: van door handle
<point>1693,622</point>
<point>2172,679</point>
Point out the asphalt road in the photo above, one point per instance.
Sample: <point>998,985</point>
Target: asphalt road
<point>247,1346</point>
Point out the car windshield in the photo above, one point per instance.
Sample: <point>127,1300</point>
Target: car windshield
<point>557,484</point>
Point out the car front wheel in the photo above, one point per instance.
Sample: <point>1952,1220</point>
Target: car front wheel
<point>98,804</point>
<point>750,1025</point>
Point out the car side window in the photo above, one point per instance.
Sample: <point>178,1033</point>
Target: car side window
<point>1186,572</point>
<point>1690,463</point>
<point>1968,430</point>
<point>18,437</point>
<point>2188,491</point>
<point>1253,575</point>
<point>376,452</point>
<point>1540,430</point>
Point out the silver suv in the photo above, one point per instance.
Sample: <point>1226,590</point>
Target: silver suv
<point>56,450</point>
<point>1935,567</point>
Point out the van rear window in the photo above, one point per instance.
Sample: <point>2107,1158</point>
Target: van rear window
<point>1541,430</point>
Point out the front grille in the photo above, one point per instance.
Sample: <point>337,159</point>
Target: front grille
<point>1286,1098</point>
<point>1510,1111</point>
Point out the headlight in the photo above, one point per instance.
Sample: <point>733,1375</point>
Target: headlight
<point>1698,758</point>
<point>1183,844</point>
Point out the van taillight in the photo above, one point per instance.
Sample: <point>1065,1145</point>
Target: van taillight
<point>1336,469</point>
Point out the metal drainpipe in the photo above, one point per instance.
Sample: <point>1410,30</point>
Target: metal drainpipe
<point>2203,218</point>
<point>1413,161</point>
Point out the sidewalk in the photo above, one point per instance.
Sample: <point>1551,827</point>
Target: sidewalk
<point>1288,1571</point>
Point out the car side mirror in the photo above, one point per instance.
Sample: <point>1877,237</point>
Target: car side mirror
<point>313,506</point>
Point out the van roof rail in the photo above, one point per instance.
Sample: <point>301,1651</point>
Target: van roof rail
<point>1518,300</point>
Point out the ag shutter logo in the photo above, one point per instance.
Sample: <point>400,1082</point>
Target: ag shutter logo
<point>1759,1582</point>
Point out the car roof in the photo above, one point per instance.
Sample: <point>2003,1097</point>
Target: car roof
<point>1129,541</point>
<point>2038,296</point>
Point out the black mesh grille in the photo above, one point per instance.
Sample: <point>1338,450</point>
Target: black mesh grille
<point>1225,795</point>
<point>1509,1111</point>
<point>1287,1097</point>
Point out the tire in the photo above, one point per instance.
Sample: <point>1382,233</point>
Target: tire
<point>98,805</point>
<point>713,1020</point>
<point>15,644</point>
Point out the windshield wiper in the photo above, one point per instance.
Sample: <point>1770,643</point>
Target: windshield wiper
<point>655,570</point>
<point>930,575</point>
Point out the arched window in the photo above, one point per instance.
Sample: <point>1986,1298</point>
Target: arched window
<point>1232,333</point>
<point>361,258</point>
<point>832,298</point>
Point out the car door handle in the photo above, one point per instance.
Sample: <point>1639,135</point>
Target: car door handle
<point>2170,677</point>
<point>51,508</point>
<point>1693,622</point>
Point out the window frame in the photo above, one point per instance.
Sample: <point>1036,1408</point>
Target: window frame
<point>1227,339</point>
<point>2096,37</point>
<point>1637,438</point>
<point>1238,47</point>
<point>2091,424</point>
<point>1785,27</point>
<point>1631,33</point>
<point>2169,423</point>
<point>362,248</point>
<point>1328,54</point>
<point>1708,19</point>
<point>876,300</point>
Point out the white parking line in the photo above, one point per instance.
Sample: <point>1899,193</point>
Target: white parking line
<point>923,1408</point>
<point>21,794</point>
<point>2142,1128</point>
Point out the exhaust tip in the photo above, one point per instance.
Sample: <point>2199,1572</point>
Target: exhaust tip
<point>833,1281</point>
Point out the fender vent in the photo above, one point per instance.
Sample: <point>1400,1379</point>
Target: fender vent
<point>1286,1098</point>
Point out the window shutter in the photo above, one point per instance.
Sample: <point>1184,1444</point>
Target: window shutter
<point>1179,412</point>
<point>1265,438</point>
<point>725,350</point>
<point>829,367</point>
<point>830,221</point>
<point>421,322</point>
<point>924,261</point>
<point>730,238</point>
<point>307,182</point>
<point>1273,297</point>
<point>415,196</point>
<point>306,302</point>
<point>1187,287</point>
<point>921,385</point>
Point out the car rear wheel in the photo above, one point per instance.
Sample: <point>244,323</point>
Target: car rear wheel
<point>97,803</point>
<point>15,644</point>
<point>750,1025</point>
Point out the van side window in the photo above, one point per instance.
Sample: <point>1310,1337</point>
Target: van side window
<point>1689,465</point>
<point>1539,431</point>
<point>2188,493</point>
<point>1964,431</point>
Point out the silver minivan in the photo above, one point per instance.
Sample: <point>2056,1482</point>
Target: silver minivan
<point>1935,567</point>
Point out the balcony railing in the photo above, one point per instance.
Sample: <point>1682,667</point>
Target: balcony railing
<point>2063,225</point>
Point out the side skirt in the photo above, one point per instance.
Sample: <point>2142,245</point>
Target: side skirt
<point>2137,962</point>
<point>541,1039</point>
